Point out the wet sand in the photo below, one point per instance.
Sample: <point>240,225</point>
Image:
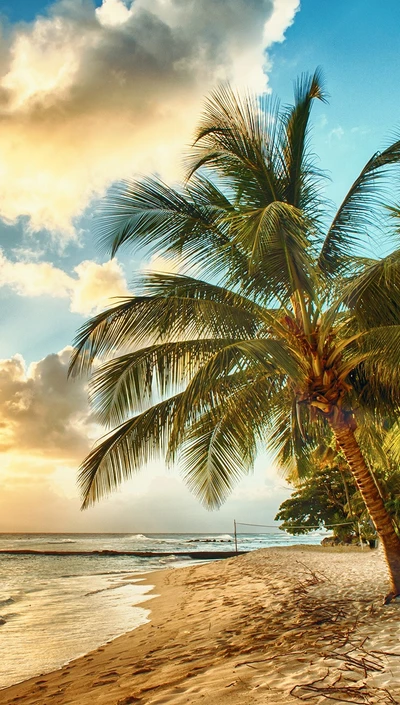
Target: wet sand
<point>277,626</point>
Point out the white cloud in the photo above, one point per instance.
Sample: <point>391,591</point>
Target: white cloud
<point>280,20</point>
<point>88,96</point>
<point>89,289</point>
<point>336,134</point>
<point>96,285</point>
<point>113,12</point>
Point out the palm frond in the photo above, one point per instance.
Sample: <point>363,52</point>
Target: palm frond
<point>125,450</point>
<point>299,168</point>
<point>382,353</point>
<point>245,361</point>
<point>392,442</point>
<point>293,437</point>
<point>374,390</point>
<point>215,456</point>
<point>124,385</point>
<point>360,211</point>
<point>275,241</point>
<point>373,294</point>
<point>162,316</point>
<point>183,225</point>
<point>239,139</point>
<point>220,448</point>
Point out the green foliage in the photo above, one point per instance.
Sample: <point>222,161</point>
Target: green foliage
<point>320,501</point>
<point>329,496</point>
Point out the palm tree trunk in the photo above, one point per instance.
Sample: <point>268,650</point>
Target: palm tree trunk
<point>346,491</point>
<point>348,444</point>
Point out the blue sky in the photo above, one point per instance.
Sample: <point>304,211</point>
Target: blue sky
<point>87,98</point>
<point>357,45</point>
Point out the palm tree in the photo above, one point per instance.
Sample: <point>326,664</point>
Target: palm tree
<point>279,332</point>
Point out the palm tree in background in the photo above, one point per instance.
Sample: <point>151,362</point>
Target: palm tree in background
<point>280,331</point>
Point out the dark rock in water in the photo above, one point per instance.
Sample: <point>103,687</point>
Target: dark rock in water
<point>2,621</point>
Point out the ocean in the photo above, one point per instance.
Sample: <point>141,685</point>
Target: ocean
<point>66,598</point>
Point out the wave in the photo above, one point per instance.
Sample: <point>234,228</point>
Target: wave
<point>224,537</point>
<point>175,557</point>
<point>178,540</point>
<point>140,537</point>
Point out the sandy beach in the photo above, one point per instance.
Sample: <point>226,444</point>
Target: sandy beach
<point>274,626</point>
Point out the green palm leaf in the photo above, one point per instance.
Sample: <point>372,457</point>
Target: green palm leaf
<point>374,293</point>
<point>300,171</point>
<point>181,225</point>
<point>124,451</point>
<point>122,386</point>
<point>239,139</point>
<point>214,457</point>
<point>361,211</point>
<point>164,316</point>
<point>220,448</point>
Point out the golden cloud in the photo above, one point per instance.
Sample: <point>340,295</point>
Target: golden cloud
<point>88,96</point>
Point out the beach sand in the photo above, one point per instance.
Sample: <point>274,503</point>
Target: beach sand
<point>277,626</point>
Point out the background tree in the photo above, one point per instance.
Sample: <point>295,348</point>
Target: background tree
<point>328,497</point>
<point>321,501</point>
<point>285,335</point>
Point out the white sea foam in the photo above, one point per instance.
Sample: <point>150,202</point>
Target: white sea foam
<point>139,537</point>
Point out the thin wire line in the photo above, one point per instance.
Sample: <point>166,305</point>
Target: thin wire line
<point>295,526</point>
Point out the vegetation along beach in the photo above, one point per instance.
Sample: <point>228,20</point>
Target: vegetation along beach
<point>199,366</point>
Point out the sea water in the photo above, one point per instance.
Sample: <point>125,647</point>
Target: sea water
<point>54,608</point>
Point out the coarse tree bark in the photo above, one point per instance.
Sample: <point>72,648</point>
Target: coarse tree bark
<point>347,442</point>
<point>346,491</point>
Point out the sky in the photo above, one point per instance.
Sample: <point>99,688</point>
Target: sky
<point>94,92</point>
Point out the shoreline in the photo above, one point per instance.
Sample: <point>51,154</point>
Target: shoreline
<point>194,555</point>
<point>249,629</point>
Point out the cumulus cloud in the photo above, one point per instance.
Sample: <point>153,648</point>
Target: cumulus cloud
<point>95,285</point>
<point>42,412</point>
<point>89,289</point>
<point>91,95</point>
